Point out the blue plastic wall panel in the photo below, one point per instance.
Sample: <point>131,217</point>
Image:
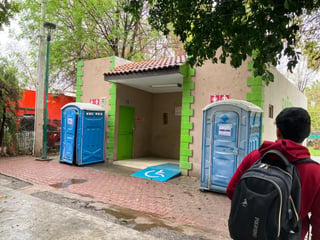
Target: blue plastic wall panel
<point>243,135</point>
<point>206,150</point>
<point>90,146</point>
<point>68,136</point>
<point>62,134</point>
<point>254,131</point>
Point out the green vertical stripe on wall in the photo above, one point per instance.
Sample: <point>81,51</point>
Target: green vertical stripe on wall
<point>111,114</point>
<point>185,165</point>
<point>79,81</point>
<point>186,113</point>
<point>256,95</point>
<point>111,121</point>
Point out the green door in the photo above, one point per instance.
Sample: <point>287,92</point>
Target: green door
<point>125,132</point>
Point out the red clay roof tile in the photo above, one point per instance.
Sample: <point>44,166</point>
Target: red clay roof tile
<point>148,65</point>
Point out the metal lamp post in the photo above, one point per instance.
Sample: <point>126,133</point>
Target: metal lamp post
<point>48,26</point>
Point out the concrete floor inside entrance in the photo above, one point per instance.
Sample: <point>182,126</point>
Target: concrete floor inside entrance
<point>141,163</point>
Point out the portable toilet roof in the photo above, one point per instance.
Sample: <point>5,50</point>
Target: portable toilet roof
<point>84,106</point>
<point>248,106</point>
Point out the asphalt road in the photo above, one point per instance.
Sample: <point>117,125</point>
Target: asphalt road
<point>30,218</point>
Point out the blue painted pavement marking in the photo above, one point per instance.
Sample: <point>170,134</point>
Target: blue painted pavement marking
<point>162,172</point>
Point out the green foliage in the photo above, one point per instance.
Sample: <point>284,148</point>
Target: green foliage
<point>10,139</point>
<point>313,96</point>
<point>314,152</point>
<point>7,11</point>
<point>232,30</point>
<point>309,38</point>
<point>9,96</point>
<point>313,53</point>
<point>88,29</point>
<point>9,88</point>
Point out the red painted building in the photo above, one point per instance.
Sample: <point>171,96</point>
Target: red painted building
<point>26,114</point>
<point>27,104</point>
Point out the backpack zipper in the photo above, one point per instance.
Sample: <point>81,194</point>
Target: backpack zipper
<point>285,172</point>
<point>280,210</point>
<point>291,200</point>
<point>294,208</point>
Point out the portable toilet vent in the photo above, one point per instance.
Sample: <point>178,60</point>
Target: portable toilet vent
<point>231,129</point>
<point>82,134</point>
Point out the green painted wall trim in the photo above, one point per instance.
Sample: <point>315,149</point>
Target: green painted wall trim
<point>111,114</point>
<point>111,120</point>
<point>79,81</point>
<point>185,165</point>
<point>186,138</point>
<point>256,95</point>
<point>186,113</point>
<point>26,108</point>
<point>188,99</point>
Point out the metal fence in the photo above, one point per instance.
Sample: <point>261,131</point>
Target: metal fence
<point>25,141</point>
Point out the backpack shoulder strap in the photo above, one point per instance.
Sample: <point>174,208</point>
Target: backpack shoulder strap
<point>278,154</point>
<point>306,160</point>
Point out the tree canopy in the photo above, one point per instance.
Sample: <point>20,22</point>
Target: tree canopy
<point>238,28</point>
<point>301,76</point>
<point>309,38</point>
<point>7,11</point>
<point>9,95</point>
<point>313,96</point>
<point>312,52</point>
<point>88,29</point>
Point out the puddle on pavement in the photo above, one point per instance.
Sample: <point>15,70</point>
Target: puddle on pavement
<point>127,218</point>
<point>68,183</point>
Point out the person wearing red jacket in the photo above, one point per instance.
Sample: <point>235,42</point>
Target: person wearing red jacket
<point>293,127</point>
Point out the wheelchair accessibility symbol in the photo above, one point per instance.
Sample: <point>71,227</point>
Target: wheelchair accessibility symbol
<point>155,173</point>
<point>161,173</point>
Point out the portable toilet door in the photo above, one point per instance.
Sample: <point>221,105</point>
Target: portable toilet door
<point>225,141</point>
<point>68,135</point>
<point>91,129</point>
<point>225,147</point>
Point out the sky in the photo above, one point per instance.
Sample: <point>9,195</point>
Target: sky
<point>4,36</point>
<point>8,44</point>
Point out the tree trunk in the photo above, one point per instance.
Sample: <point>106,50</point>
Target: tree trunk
<point>136,28</point>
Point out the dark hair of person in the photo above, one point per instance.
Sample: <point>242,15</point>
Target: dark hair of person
<point>294,124</point>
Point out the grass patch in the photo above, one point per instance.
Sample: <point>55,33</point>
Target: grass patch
<point>314,152</point>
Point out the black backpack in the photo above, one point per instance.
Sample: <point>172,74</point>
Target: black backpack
<point>266,201</point>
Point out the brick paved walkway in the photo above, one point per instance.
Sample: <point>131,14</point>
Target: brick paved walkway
<point>187,206</point>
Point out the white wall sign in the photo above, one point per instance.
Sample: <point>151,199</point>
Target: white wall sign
<point>225,130</point>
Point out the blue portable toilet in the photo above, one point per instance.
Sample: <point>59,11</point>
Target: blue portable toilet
<point>231,129</point>
<point>82,133</point>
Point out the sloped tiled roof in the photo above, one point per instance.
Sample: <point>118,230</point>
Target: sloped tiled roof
<point>148,65</point>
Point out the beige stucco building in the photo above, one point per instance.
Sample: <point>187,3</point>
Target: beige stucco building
<point>155,108</point>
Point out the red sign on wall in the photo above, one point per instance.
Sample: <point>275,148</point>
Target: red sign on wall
<point>218,97</point>
<point>95,101</point>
